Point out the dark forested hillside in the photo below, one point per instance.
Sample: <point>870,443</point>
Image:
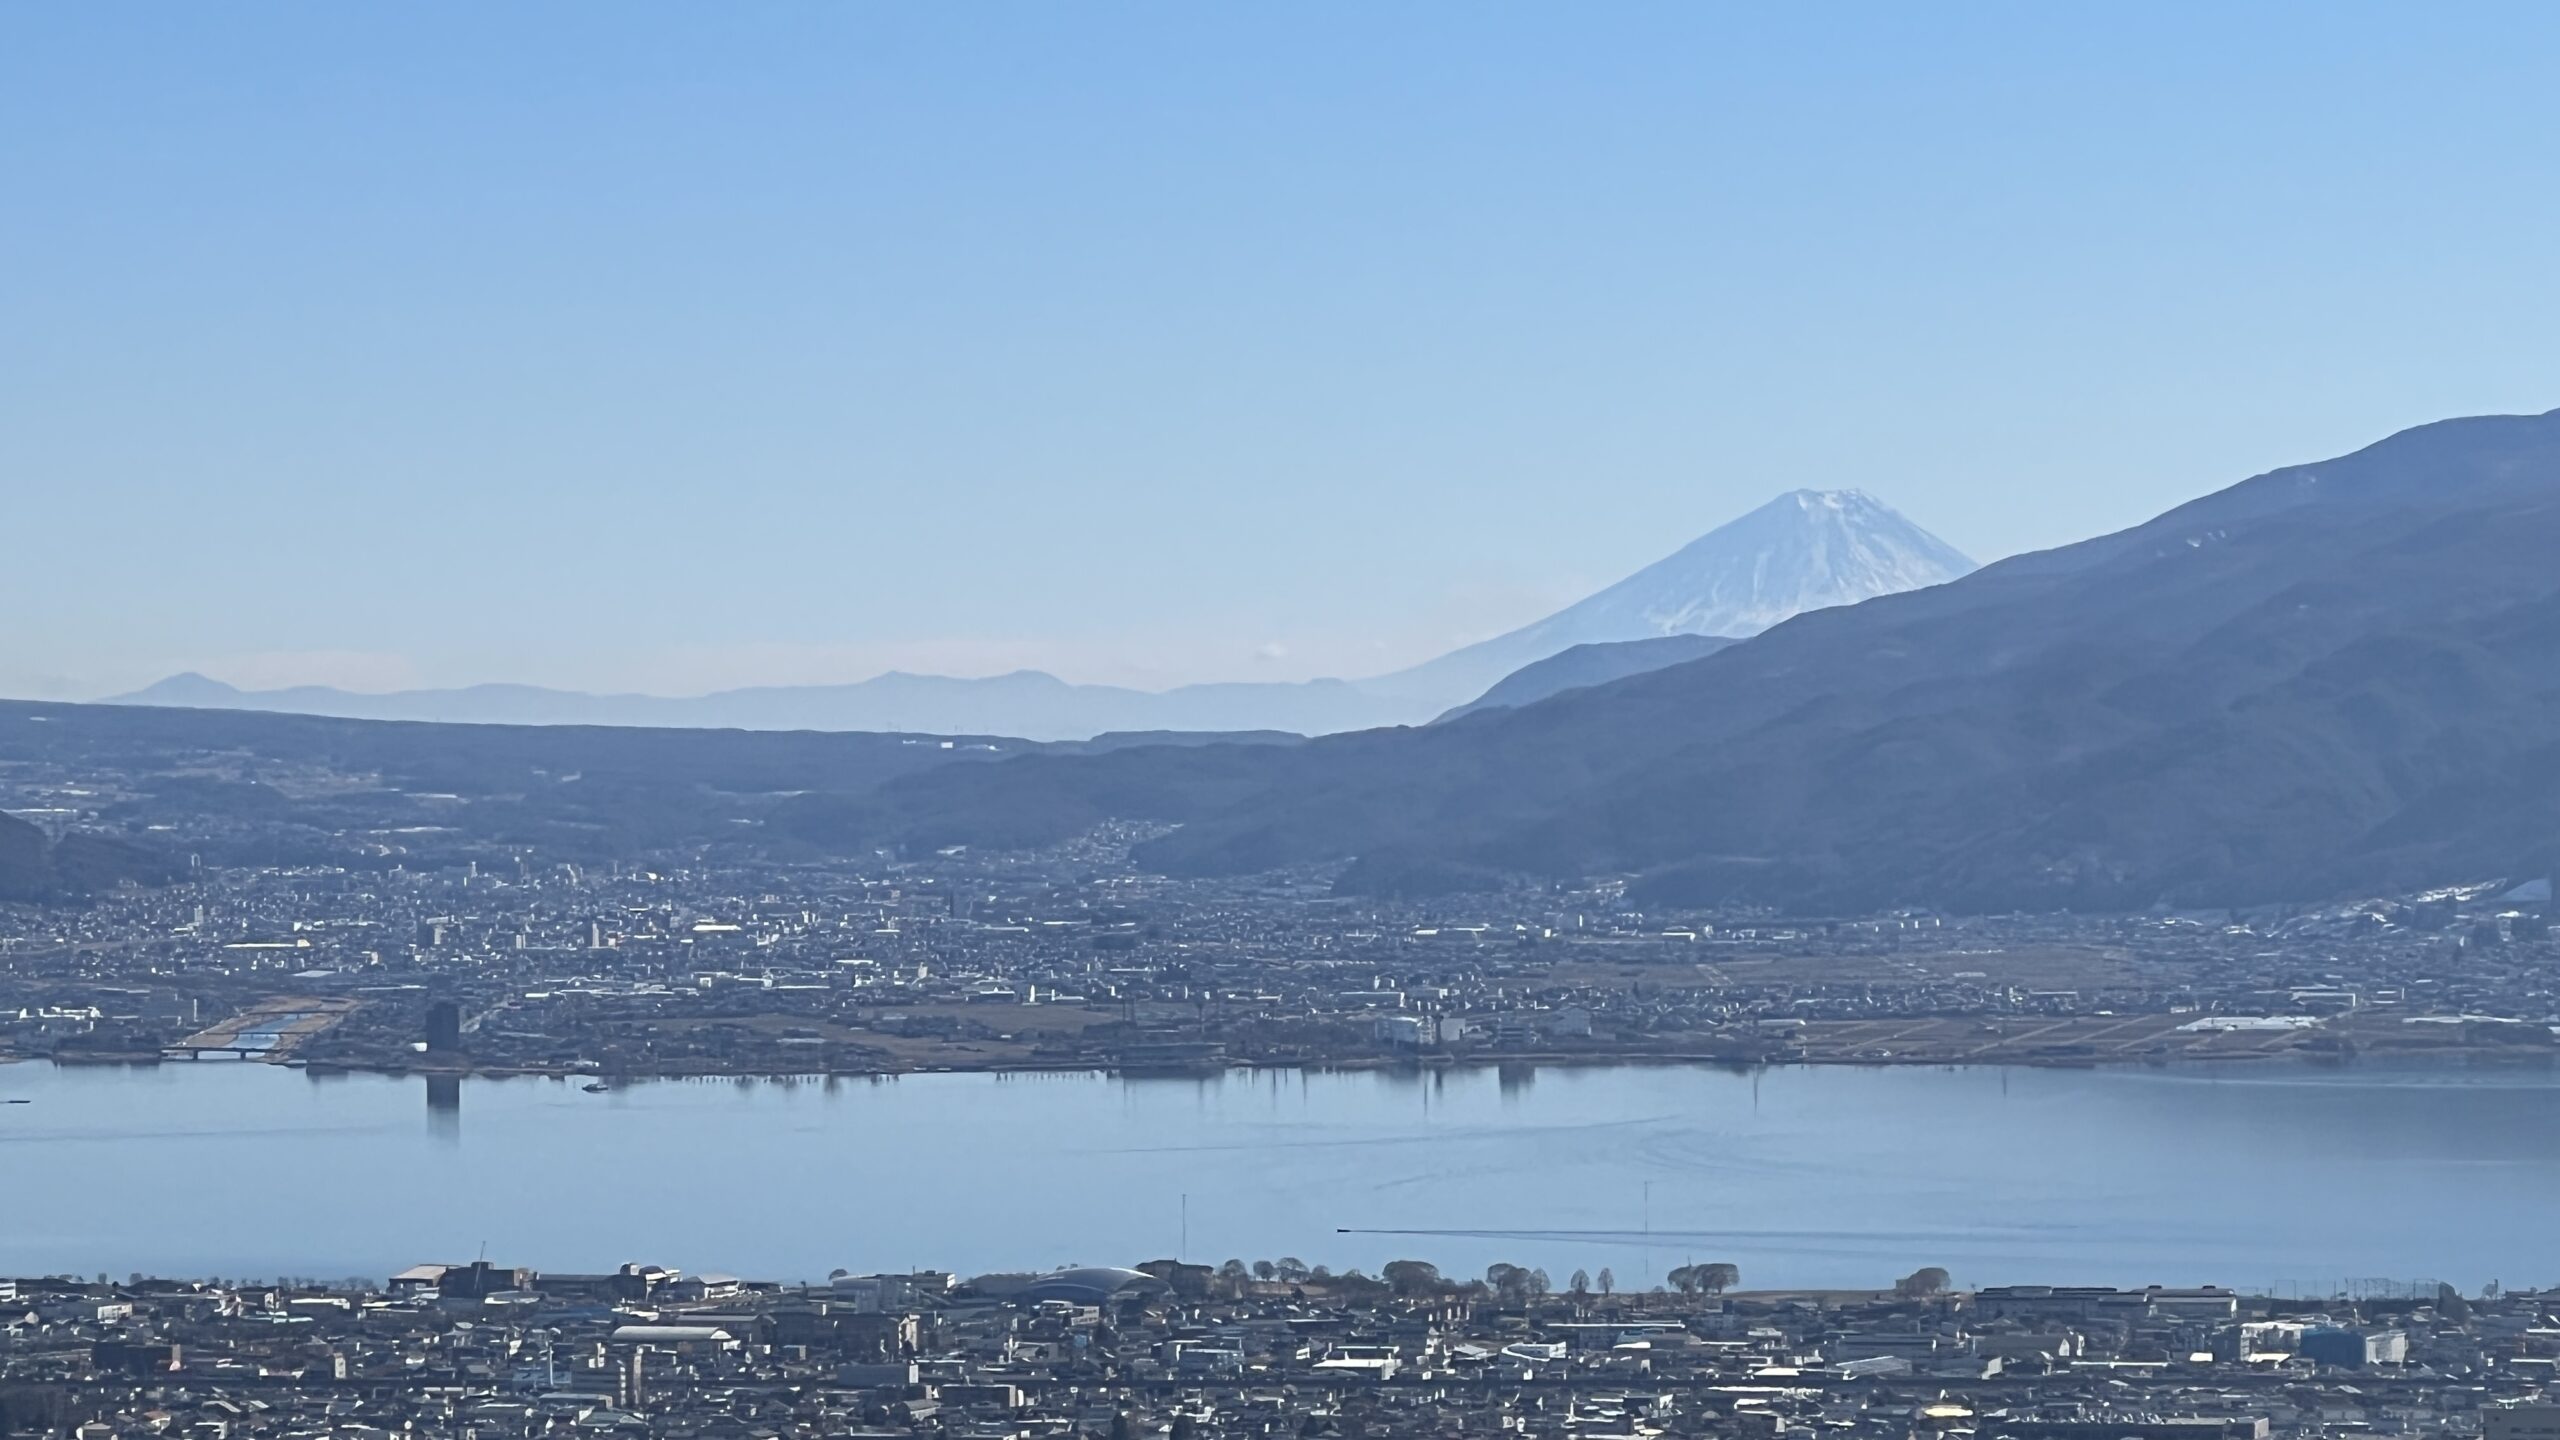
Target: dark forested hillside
<point>1587,665</point>
<point>35,868</point>
<point>257,788</point>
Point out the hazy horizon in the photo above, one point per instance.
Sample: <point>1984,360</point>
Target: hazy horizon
<point>1726,535</point>
<point>669,351</point>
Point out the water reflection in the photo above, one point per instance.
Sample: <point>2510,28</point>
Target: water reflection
<point>444,1108</point>
<point>1831,1177</point>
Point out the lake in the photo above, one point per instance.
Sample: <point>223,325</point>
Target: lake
<point>2290,1176</point>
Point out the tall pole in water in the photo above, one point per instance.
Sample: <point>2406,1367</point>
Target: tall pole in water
<point>1184,1254</point>
<point>1648,1232</point>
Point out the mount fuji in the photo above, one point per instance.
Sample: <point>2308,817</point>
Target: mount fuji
<point>1805,550</point>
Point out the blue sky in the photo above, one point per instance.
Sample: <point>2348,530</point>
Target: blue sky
<point>670,347</point>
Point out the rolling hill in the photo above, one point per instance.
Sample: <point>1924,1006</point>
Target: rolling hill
<point>34,867</point>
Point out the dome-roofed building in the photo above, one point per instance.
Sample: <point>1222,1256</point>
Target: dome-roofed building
<point>1092,1285</point>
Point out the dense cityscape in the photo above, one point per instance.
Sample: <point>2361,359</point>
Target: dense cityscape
<point>1068,958</point>
<point>1259,1349</point>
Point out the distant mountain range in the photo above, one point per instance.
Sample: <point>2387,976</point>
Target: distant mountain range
<point>1026,704</point>
<point>1805,550</point>
<point>2330,678</point>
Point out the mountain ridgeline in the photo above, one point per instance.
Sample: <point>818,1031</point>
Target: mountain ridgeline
<point>1802,551</point>
<point>1025,704</point>
<point>2331,678</point>
<point>1588,665</point>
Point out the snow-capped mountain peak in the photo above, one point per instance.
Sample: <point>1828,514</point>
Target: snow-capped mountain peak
<point>1804,550</point>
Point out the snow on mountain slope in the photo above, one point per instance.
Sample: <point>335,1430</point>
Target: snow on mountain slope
<point>1805,550</point>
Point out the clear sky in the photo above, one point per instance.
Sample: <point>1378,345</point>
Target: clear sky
<point>667,347</point>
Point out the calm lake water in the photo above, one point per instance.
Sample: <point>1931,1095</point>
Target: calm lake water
<point>2293,1177</point>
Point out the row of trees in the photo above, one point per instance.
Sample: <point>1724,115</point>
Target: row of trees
<point>1518,1285</point>
<point>1714,1279</point>
<point>1510,1284</point>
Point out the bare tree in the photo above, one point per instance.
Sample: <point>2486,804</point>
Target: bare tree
<point>1608,1282</point>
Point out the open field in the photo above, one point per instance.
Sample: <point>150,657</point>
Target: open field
<point>2091,1039</point>
<point>2034,967</point>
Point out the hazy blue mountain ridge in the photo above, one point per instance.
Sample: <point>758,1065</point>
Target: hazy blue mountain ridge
<point>1804,550</point>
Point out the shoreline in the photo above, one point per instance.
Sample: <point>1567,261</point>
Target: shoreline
<point>2450,1057</point>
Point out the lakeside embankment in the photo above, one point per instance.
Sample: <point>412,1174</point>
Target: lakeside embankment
<point>2452,1056</point>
